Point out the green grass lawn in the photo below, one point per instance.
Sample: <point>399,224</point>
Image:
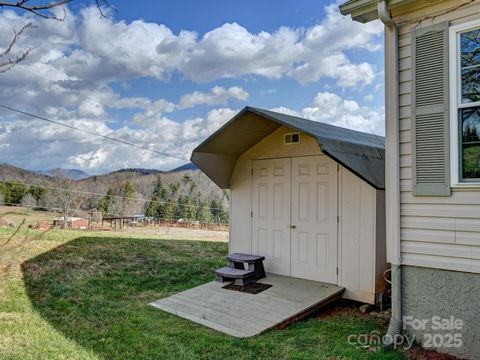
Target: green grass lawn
<point>74,296</point>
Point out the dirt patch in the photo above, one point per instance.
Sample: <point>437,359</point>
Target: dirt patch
<point>340,308</point>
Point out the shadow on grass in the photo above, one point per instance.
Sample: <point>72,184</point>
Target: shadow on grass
<point>96,291</point>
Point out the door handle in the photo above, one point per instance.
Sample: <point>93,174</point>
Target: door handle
<point>293,226</point>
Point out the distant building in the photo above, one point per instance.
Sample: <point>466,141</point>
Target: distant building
<point>75,223</point>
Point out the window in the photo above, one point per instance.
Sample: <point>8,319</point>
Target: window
<point>293,138</point>
<point>465,103</point>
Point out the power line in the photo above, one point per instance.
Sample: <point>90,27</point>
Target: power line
<point>93,133</point>
<point>143,200</point>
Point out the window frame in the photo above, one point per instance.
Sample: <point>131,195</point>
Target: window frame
<point>292,142</point>
<point>456,104</point>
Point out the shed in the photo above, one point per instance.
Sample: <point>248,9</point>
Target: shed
<point>74,223</point>
<point>306,195</point>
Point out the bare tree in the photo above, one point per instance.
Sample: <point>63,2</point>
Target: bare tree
<point>7,62</point>
<point>29,201</point>
<point>41,9</point>
<point>64,197</point>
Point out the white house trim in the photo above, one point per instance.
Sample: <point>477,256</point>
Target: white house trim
<point>455,103</point>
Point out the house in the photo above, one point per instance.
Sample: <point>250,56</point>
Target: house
<point>308,196</point>
<point>432,68</point>
<point>74,223</point>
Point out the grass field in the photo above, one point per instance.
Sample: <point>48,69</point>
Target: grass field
<point>75,295</point>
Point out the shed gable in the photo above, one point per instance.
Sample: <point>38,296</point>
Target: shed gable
<point>361,153</point>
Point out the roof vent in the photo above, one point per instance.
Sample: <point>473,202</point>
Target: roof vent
<point>292,138</point>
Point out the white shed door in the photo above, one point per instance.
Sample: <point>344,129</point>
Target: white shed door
<point>314,218</point>
<point>271,213</point>
<point>294,216</point>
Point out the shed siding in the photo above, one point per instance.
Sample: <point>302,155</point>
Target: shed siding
<point>357,229</point>
<point>438,232</point>
<point>361,237</point>
<point>270,147</point>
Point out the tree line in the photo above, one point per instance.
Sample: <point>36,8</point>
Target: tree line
<point>167,203</point>
<point>193,206</point>
<point>15,193</point>
<point>180,199</point>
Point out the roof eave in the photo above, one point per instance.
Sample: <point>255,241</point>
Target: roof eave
<point>361,10</point>
<point>366,10</point>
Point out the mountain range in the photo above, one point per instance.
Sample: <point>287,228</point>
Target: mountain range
<point>74,174</point>
<point>77,174</point>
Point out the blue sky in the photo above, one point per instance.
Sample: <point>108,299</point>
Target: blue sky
<point>166,74</point>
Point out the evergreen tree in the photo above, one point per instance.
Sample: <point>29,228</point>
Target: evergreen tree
<point>129,205</point>
<point>106,203</point>
<point>214,207</point>
<point>158,189</point>
<point>173,189</point>
<point>155,208</point>
<point>189,210</point>
<point>128,190</point>
<point>37,192</point>
<point>13,192</point>
<point>204,213</point>
<point>170,210</point>
<point>3,191</point>
<point>223,215</point>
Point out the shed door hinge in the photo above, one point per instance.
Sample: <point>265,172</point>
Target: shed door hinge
<point>338,219</point>
<point>337,270</point>
<point>251,214</point>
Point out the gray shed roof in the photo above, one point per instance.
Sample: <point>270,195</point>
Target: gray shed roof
<point>361,153</point>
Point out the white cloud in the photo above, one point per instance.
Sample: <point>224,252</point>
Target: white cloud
<point>90,108</point>
<point>69,73</point>
<point>287,111</point>
<point>218,117</point>
<point>332,109</point>
<point>35,144</point>
<point>91,48</point>
<point>218,95</point>
<point>73,62</point>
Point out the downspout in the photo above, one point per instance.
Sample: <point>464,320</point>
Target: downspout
<point>392,172</point>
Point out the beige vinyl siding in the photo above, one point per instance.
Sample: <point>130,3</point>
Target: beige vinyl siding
<point>438,232</point>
